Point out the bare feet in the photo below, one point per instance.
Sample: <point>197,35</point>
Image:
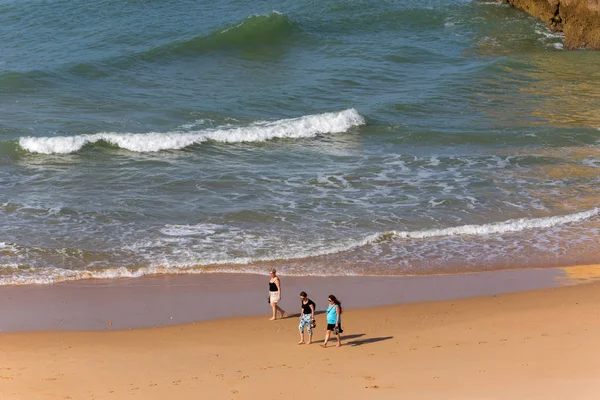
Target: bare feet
<point>338,345</point>
<point>324,345</point>
<point>272,319</point>
<point>308,342</point>
<point>300,342</point>
<point>283,314</point>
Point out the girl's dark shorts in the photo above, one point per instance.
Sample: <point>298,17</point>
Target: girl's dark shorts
<point>330,327</point>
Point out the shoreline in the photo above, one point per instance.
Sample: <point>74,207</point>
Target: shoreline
<point>100,305</point>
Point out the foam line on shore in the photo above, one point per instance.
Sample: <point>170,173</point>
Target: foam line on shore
<point>247,265</point>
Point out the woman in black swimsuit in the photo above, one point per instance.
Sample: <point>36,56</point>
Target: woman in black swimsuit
<point>275,294</point>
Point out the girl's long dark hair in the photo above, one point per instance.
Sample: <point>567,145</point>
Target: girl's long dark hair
<point>336,301</point>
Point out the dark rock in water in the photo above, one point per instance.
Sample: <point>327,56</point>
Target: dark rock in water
<point>579,20</point>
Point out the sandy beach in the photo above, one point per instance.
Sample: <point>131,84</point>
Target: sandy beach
<point>537,344</point>
<point>433,164</point>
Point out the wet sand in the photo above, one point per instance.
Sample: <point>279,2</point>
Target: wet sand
<point>169,300</point>
<point>540,344</point>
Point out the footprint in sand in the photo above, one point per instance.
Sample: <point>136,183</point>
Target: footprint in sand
<point>369,378</point>
<point>372,387</point>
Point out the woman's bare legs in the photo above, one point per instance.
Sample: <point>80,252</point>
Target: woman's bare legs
<point>326,338</point>
<point>274,307</point>
<point>309,338</point>
<point>301,337</point>
<point>281,310</point>
<point>339,340</point>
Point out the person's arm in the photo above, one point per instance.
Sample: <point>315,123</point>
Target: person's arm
<point>312,311</point>
<point>337,312</point>
<point>278,283</point>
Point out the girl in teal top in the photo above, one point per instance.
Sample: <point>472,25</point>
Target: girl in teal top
<point>334,320</point>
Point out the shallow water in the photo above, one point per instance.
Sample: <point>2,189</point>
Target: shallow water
<point>347,138</point>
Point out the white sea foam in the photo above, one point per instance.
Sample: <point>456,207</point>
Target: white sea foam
<point>302,127</point>
<point>549,34</point>
<point>251,265</point>
<point>194,124</point>
<point>514,225</point>
<point>47,276</point>
<point>591,163</point>
<point>495,3</point>
<point>8,247</point>
<point>549,37</point>
<point>191,230</point>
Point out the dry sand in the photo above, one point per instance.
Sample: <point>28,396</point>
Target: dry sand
<point>541,344</point>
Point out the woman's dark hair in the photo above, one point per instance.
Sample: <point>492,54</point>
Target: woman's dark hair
<point>302,294</point>
<point>336,301</point>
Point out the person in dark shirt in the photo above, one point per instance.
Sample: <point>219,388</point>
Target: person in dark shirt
<point>307,317</point>
<point>275,294</point>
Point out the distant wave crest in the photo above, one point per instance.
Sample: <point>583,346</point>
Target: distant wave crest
<point>252,32</point>
<point>302,127</point>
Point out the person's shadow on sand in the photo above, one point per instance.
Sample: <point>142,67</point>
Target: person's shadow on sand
<point>359,342</point>
<point>344,337</point>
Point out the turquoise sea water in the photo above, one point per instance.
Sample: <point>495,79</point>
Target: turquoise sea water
<point>322,138</point>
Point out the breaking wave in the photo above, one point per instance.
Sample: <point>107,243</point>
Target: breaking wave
<point>294,128</point>
<point>514,225</point>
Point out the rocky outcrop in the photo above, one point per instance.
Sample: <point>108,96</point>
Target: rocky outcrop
<point>579,20</point>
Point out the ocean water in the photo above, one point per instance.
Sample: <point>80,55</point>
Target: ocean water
<point>320,138</point>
